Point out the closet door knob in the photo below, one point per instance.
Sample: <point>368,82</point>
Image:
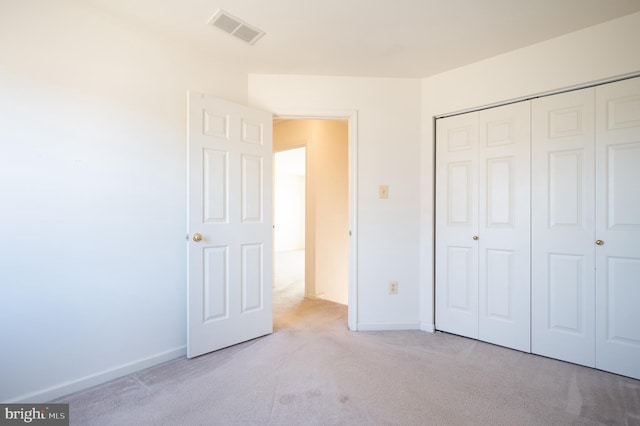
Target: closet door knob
<point>475,237</point>
<point>197,237</point>
<point>600,242</point>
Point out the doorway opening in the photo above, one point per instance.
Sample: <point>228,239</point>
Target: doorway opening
<point>311,210</point>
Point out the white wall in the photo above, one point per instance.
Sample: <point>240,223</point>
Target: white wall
<point>330,159</point>
<point>388,153</point>
<point>92,193</point>
<point>596,53</point>
<point>289,199</point>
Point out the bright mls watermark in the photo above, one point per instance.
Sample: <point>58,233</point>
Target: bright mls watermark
<point>34,414</point>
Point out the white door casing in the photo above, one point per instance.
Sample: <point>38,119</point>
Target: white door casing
<point>618,227</point>
<point>457,225</point>
<point>229,205</point>
<point>504,226</point>
<point>562,241</point>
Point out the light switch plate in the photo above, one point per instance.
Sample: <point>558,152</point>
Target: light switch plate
<point>383,191</point>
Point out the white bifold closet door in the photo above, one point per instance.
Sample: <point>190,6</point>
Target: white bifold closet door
<point>483,225</point>
<point>456,224</point>
<point>562,242</point>
<point>618,227</point>
<point>586,227</point>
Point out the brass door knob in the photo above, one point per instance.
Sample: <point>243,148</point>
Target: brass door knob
<point>475,238</point>
<point>600,242</point>
<point>197,237</point>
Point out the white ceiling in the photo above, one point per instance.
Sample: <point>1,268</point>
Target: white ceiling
<point>378,38</point>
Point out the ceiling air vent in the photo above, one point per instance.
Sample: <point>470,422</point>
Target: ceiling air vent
<point>236,27</point>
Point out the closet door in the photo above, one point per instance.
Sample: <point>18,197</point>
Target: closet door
<point>562,240</point>
<point>618,227</point>
<point>457,224</point>
<point>504,226</point>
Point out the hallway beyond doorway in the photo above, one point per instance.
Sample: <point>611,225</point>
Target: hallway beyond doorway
<point>288,272</point>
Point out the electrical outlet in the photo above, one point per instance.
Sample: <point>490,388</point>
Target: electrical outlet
<point>393,287</point>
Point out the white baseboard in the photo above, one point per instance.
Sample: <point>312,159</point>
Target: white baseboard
<point>428,327</point>
<point>388,326</point>
<point>66,388</point>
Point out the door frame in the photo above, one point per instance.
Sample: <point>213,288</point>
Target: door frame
<point>351,116</point>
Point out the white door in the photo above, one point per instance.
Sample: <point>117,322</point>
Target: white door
<point>483,225</point>
<point>230,224</point>
<point>562,220</point>
<point>618,227</point>
<point>457,225</point>
<point>504,226</point>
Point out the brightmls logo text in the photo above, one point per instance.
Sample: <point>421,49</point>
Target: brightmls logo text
<point>28,416</point>
<point>35,414</point>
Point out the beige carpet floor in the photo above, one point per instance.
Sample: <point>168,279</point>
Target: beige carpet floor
<point>313,371</point>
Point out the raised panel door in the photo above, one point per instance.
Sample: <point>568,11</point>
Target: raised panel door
<point>504,226</point>
<point>562,220</point>
<point>229,208</point>
<point>618,227</point>
<point>457,224</point>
